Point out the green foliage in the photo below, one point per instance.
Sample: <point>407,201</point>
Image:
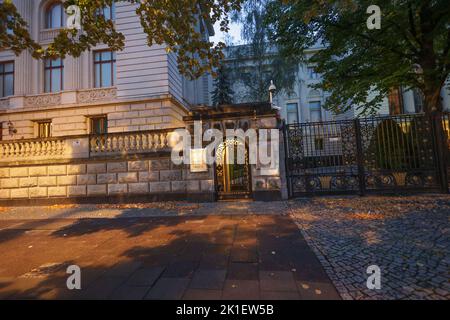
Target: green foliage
<point>170,22</point>
<point>257,62</point>
<point>223,92</point>
<point>397,148</point>
<point>412,48</point>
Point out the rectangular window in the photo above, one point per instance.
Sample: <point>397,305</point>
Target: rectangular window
<point>53,75</point>
<point>7,25</point>
<point>315,109</point>
<point>292,113</point>
<point>108,12</point>
<point>104,68</point>
<point>6,79</point>
<point>99,125</point>
<point>318,144</point>
<point>312,74</point>
<point>44,129</point>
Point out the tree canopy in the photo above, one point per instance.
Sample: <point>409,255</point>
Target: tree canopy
<point>257,62</point>
<point>169,22</point>
<point>223,92</point>
<point>359,65</point>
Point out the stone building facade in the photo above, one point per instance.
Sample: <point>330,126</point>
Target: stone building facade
<point>138,88</point>
<point>99,127</point>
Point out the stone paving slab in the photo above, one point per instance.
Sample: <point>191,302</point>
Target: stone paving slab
<point>194,257</point>
<point>139,210</point>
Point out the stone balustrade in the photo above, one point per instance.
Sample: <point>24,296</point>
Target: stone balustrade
<point>17,149</point>
<point>16,152</point>
<point>99,166</point>
<point>42,150</point>
<point>47,35</point>
<point>132,142</point>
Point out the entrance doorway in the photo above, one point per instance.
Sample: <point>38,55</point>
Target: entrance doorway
<point>232,170</point>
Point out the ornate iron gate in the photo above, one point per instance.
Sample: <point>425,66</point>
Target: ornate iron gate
<point>233,178</point>
<point>394,153</point>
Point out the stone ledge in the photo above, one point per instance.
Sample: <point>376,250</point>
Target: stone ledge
<point>147,198</point>
<point>274,195</point>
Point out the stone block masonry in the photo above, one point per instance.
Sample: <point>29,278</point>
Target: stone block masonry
<point>104,178</point>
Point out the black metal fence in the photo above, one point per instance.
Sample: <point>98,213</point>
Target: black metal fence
<point>391,154</point>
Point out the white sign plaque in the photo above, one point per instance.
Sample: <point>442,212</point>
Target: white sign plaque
<point>198,160</point>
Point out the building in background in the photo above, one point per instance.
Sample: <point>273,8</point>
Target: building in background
<point>305,104</point>
<point>403,100</point>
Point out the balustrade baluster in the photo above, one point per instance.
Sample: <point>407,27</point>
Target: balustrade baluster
<point>26,148</point>
<point>144,142</point>
<point>52,147</point>
<point>151,142</point>
<point>119,144</point>
<point>126,144</point>
<point>6,150</point>
<point>163,140</point>
<point>156,141</point>
<point>138,142</point>
<point>114,144</point>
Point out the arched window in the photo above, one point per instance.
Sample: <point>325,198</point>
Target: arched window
<point>54,16</point>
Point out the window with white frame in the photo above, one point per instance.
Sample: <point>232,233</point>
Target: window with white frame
<point>315,110</point>
<point>292,113</point>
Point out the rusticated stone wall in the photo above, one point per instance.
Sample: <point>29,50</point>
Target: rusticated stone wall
<point>159,178</point>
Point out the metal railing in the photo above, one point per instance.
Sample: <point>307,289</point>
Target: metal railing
<point>392,153</point>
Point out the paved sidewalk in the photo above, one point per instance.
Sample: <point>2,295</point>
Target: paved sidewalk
<point>139,253</point>
<point>249,250</point>
<point>157,209</point>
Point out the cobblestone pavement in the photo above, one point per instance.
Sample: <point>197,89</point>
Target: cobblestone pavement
<point>407,237</point>
<point>159,251</point>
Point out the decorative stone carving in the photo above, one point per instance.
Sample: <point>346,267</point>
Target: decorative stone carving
<point>41,100</point>
<point>87,96</point>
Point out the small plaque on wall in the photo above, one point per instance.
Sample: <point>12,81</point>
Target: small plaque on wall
<point>198,160</point>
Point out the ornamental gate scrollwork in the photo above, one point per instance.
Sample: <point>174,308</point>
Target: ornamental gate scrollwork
<point>390,153</point>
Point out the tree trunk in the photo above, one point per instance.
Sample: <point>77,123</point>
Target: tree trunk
<point>432,99</point>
